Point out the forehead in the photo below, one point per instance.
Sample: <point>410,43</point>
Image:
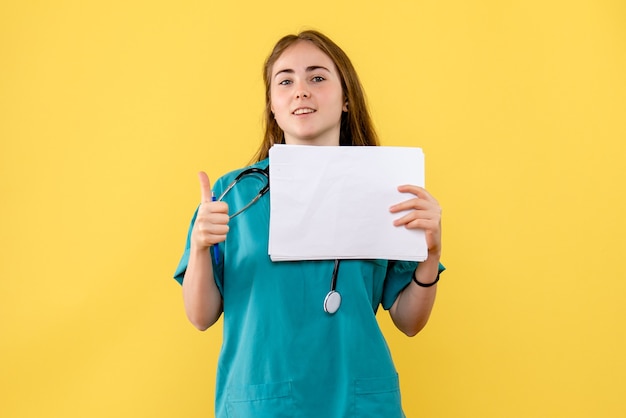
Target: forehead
<point>301,55</point>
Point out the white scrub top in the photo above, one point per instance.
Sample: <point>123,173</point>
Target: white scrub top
<point>282,355</point>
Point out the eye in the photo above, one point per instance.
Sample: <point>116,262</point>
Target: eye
<point>318,78</point>
<point>284,82</point>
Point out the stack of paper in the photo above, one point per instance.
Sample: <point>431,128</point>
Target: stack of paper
<point>333,202</point>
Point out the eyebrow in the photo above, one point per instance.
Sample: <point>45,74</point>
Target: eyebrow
<point>308,70</point>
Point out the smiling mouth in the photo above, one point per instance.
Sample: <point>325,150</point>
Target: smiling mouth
<point>303,111</point>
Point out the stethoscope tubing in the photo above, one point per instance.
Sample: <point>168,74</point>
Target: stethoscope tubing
<point>249,171</point>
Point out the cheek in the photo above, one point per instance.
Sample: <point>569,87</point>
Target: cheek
<point>278,108</point>
<point>275,103</point>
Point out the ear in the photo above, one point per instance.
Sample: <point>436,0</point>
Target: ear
<point>345,106</point>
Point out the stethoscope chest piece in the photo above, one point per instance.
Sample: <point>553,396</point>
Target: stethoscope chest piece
<point>332,302</point>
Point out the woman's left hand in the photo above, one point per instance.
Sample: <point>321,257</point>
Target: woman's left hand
<point>424,213</point>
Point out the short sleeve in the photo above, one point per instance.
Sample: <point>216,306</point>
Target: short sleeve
<point>399,275</point>
<point>179,274</point>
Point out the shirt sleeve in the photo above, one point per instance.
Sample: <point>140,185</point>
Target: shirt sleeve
<point>399,275</point>
<point>179,274</point>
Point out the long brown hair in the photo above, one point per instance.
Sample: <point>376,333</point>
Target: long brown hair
<point>356,124</point>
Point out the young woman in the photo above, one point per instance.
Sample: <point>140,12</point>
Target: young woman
<point>282,354</point>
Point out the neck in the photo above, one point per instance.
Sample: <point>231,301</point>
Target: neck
<point>331,139</point>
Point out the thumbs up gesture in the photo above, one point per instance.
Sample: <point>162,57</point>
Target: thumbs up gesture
<point>211,224</point>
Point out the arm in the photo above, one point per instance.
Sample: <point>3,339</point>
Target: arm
<point>202,299</point>
<point>412,308</point>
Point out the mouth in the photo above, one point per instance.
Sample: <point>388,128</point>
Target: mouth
<point>303,111</point>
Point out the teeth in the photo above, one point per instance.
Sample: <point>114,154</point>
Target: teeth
<point>303,111</point>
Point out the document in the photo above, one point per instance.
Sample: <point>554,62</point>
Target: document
<point>332,202</point>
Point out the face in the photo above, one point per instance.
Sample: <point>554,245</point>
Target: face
<point>306,96</point>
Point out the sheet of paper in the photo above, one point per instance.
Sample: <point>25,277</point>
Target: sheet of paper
<point>333,202</point>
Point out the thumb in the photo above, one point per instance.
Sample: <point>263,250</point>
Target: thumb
<point>205,187</point>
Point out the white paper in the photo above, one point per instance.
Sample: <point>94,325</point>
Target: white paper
<point>333,202</point>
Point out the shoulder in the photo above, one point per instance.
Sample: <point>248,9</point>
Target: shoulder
<point>223,182</point>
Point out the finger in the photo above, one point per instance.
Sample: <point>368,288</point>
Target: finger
<point>415,215</point>
<point>423,201</point>
<point>219,207</point>
<point>219,229</point>
<point>417,222</point>
<point>415,203</point>
<point>205,187</point>
<point>416,190</point>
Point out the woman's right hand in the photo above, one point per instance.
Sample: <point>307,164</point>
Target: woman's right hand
<point>211,224</point>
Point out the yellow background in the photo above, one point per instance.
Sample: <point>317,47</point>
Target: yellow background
<point>109,108</point>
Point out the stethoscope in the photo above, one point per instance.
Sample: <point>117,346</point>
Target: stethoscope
<point>264,172</point>
<point>332,301</point>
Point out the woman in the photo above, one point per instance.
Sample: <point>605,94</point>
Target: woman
<point>282,355</point>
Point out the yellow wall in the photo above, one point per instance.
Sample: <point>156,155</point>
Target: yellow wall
<point>109,108</point>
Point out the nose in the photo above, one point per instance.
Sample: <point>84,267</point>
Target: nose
<point>302,92</point>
